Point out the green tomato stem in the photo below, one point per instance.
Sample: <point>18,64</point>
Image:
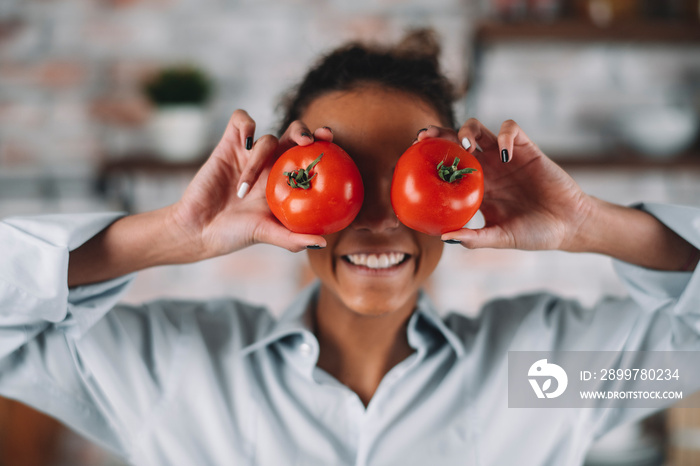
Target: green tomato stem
<point>450,173</point>
<point>300,178</point>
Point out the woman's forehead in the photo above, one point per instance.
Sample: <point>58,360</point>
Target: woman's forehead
<point>370,116</point>
<point>370,105</point>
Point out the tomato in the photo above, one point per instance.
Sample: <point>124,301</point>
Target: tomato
<point>315,189</point>
<point>422,200</point>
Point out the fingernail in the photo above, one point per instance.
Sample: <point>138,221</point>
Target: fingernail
<point>478,147</point>
<point>451,241</point>
<point>248,143</point>
<point>243,190</point>
<point>306,134</point>
<point>504,156</point>
<point>421,130</point>
<point>466,144</point>
<point>314,246</point>
<point>328,128</point>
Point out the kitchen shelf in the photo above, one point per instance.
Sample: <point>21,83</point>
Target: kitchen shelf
<point>640,31</point>
<point>116,175</point>
<point>630,161</point>
<point>643,33</point>
<point>148,163</point>
<point>151,165</point>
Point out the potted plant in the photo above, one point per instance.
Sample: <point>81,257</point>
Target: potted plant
<point>179,125</point>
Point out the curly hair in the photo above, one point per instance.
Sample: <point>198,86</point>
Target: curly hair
<point>411,66</point>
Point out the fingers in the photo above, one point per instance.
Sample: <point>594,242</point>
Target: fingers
<point>436,132</point>
<point>276,234</point>
<point>510,135</point>
<point>297,134</point>
<point>243,127</point>
<point>264,149</point>
<point>324,134</point>
<point>487,237</point>
<point>261,153</point>
<point>235,144</point>
<point>474,135</point>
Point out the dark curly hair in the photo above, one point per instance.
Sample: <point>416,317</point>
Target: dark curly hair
<point>411,66</point>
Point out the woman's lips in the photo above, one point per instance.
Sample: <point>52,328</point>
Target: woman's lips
<point>377,261</point>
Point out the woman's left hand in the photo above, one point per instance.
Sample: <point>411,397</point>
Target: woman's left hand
<point>529,202</point>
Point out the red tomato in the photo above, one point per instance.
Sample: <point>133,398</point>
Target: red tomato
<point>315,189</point>
<point>424,201</point>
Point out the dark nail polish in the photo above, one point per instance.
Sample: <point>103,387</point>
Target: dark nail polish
<point>248,143</point>
<point>314,246</point>
<point>421,130</point>
<point>306,134</point>
<point>452,241</point>
<point>505,157</point>
<point>328,128</point>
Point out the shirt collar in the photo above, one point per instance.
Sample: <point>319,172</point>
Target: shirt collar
<point>426,311</point>
<point>296,321</point>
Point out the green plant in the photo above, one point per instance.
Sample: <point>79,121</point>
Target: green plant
<point>178,85</point>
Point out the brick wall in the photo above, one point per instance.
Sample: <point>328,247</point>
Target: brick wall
<point>571,98</point>
<point>70,70</point>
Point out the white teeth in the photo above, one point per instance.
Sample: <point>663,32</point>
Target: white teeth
<point>376,261</point>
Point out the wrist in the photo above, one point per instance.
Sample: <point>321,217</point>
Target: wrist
<point>130,244</point>
<point>632,235</point>
<point>583,236</point>
<point>182,240</point>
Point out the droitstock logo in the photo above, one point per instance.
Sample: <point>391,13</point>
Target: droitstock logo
<point>543,371</point>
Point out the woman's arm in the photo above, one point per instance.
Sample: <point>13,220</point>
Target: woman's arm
<point>222,210</point>
<point>531,203</point>
<point>633,236</point>
<point>130,244</point>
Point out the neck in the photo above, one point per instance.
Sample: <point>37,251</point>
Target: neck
<point>359,350</point>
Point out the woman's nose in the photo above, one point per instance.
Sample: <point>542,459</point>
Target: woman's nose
<point>376,213</point>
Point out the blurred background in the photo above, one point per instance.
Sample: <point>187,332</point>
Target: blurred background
<point>113,104</point>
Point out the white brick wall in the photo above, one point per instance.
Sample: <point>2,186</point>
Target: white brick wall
<point>67,55</point>
<point>569,97</point>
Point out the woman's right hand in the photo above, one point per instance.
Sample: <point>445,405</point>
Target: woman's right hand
<point>224,207</point>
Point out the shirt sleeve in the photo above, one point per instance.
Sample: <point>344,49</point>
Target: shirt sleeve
<point>668,310</point>
<point>678,292</point>
<point>661,313</point>
<point>39,314</point>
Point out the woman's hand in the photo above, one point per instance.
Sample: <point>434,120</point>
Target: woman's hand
<point>529,202</point>
<point>222,210</point>
<point>224,207</point>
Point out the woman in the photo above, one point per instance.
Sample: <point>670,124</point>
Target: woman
<point>360,369</point>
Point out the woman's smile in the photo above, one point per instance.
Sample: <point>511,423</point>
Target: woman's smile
<point>377,261</point>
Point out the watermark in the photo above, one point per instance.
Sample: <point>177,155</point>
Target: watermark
<point>547,372</point>
<point>595,379</point>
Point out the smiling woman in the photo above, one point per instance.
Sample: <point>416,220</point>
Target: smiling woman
<point>361,368</point>
<point>388,121</point>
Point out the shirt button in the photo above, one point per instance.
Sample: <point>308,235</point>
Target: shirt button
<point>305,349</point>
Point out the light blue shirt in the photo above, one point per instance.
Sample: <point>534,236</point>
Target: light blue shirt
<point>224,383</point>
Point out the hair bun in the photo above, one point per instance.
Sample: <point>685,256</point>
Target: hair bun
<point>420,43</point>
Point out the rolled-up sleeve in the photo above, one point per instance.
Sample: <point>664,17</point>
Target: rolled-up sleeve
<point>39,314</point>
<point>653,289</point>
<point>34,289</point>
<point>668,305</point>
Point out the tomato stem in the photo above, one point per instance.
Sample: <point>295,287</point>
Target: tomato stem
<point>450,173</point>
<point>300,178</point>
